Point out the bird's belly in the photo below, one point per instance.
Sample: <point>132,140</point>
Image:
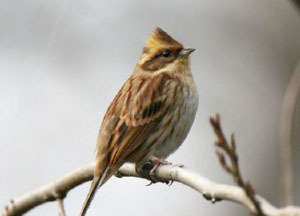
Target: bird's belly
<point>181,121</point>
<point>171,131</point>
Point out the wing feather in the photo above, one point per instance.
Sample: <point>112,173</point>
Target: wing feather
<point>134,113</point>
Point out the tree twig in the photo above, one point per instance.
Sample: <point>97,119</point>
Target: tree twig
<point>61,207</point>
<point>227,149</point>
<point>185,176</point>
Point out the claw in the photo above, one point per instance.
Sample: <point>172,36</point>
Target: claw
<point>157,162</point>
<point>170,183</point>
<point>150,183</point>
<point>148,170</point>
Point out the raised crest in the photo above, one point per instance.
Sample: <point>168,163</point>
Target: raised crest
<point>159,38</point>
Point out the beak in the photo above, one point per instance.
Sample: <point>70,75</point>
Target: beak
<point>186,51</point>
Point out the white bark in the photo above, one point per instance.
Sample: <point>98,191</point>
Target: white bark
<point>59,188</point>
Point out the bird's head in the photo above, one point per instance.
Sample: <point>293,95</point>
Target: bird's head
<point>161,50</point>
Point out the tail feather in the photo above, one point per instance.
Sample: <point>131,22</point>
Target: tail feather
<point>98,181</point>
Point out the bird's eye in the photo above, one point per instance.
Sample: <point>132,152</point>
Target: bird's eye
<point>166,53</point>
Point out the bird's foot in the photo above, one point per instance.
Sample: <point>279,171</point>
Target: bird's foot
<point>157,162</point>
<point>149,170</point>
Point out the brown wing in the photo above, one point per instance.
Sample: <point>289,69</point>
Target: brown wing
<point>133,115</point>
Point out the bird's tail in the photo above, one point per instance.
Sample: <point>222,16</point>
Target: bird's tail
<point>98,181</point>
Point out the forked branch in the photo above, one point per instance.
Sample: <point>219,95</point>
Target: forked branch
<point>227,149</point>
<point>185,176</point>
<point>244,194</point>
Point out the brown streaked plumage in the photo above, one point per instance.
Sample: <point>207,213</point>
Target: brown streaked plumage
<point>152,113</point>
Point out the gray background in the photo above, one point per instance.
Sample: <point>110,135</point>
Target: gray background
<point>62,61</point>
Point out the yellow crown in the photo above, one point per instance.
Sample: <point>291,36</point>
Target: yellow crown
<point>159,38</point>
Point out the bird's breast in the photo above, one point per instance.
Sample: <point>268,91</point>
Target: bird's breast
<point>177,124</point>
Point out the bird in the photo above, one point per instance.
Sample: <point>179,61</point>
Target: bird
<point>151,115</point>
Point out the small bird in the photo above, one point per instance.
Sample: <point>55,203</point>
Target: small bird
<point>151,115</point>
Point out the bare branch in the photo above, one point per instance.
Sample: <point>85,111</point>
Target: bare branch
<point>185,176</point>
<point>233,168</point>
<point>61,207</point>
<point>285,133</point>
<point>51,192</point>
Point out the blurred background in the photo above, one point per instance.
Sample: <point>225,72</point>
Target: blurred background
<point>62,62</point>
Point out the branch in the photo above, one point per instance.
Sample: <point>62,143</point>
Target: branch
<point>233,168</point>
<point>206,187</point>
<point>61,207</point>
<point>285,133</point>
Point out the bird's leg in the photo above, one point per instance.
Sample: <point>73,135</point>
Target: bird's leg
<point>143,170</point>
<point>148,170</point>
<point>156,163</point>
